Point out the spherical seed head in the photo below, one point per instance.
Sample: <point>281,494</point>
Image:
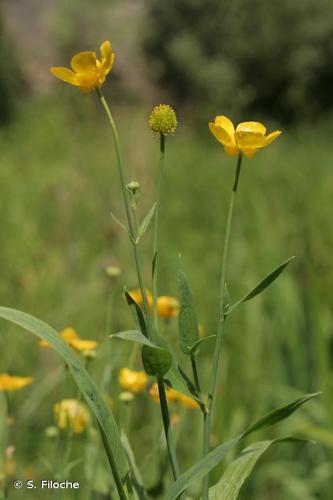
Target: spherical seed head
<point>163,119</point>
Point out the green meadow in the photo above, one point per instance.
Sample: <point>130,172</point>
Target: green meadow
<point>59,184</point>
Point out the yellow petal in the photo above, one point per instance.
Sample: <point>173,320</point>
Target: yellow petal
<point>107,56</point>
<point>249,153</point>
<point>251,127</point>
<point>65,74</point>
<point>249,140</point>
<point>271,137</point>
<point>84,62</point>
<point>221,135</point>
<point>231,151</point>
<point>224,122</point>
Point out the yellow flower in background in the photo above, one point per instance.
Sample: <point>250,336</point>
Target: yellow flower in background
<point>71,414</point>
<point>173,396</point>
<point>170,394</point>
<point>11,383</point>
<point>132,381</point>
<point>187,402</point>
<point>87,71</point>
<point>248,138</point>
<point>71,337</point>
<point>167,307</point>
<point>137,297</point>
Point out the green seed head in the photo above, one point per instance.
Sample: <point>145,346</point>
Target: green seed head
<point>163,120</point>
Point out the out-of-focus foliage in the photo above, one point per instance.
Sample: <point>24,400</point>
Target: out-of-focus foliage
<point>271,57</point>
<point>10,77</point>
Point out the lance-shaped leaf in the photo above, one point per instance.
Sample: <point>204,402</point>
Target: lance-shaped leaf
<point>261,286</point>
<point>187,318</point>
<point>156,359</point>
<point>99,408</point>
<point>204,466</point>
<point>137,313</point>
<point>239,470</point>
<point>146,221</point>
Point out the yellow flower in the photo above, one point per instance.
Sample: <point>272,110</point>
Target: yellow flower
<point>71,337</point>
<point>132,381</point>
<point>137,297</point>
<point>248,138</point>
<point>70,413</point>
<point>163,119</point>
<point>188,402</point>
<point>87,71</point>
<point>11,383</point>
<point>170,394</point>
<point>167,307</point>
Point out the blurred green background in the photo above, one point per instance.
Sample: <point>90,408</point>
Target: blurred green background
<point>250,60</point>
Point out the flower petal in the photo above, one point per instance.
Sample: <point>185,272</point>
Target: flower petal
<point>65,74</point>
<point>230,150</point>
<point>224,122</point>
<point>84,62</point>
<point>108,56</point>
<point>221,135</point>
<point>251,127</point>
<point>249,153</point>
<point>271,137</point>
<point>250,140</point>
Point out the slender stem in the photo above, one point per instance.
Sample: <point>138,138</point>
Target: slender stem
<point>164,407</point>
<point>167,428</point>
<point>156,222</point>
<point>195,373</point>
<point>127,209</point>
<point>220,328</point>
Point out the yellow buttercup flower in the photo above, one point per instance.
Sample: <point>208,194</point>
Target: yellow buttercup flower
<point>173,396</point>
<point>11,383</point>
<point>248,138</point>
<point>87,71</point>
<point>170,394</point>
<point>188,402</point>
<point>71,414</point>
<point>71,337</point>
<point>132,381</point>
<point>167,307</point>
<point>137,297</point>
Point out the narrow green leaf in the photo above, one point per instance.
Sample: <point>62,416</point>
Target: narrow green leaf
<point>118,222</point>
<point>83,380</point>
<point>279,414</point>
<point>137,314</point>
<point>204,466</point>
<point>262,285</point>
<point>197,344</point>
<point>134,336</point>
<point>187,319</point>
<point>135,473</point>
<point>200,469</point>
<point>239,470</point>
<point>156,361</point>
<point>146,221</point>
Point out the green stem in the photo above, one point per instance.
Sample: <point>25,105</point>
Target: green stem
<point>164,407</point>
<point>127,209</point>
<point>167,428</point>
<point>220,328</point>
<point>195,373</point>
<point>156,222</point>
